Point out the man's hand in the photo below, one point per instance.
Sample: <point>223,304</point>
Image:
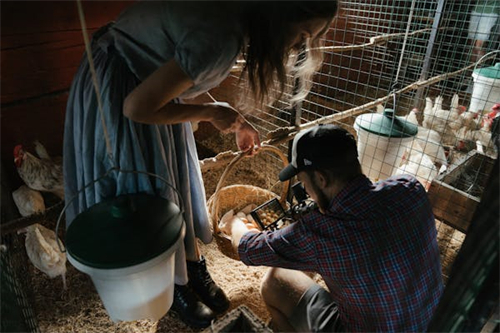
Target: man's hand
<point>235,227</point>
<point>230,222</point>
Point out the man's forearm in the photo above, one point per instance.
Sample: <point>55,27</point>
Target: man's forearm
<point>237,231</point>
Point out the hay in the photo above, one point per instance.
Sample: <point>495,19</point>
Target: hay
<point>79,309</point>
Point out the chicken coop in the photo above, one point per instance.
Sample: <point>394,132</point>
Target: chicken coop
<point>433,65</point>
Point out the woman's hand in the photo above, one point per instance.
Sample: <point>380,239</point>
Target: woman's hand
<point>247,138</point>
<point>228,120</point>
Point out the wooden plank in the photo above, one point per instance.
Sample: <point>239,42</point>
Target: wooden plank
<point>42,44</point>
<point>27,17</point>
<point>41,119</point>
<point>36,84</point>
<point>452,205</point>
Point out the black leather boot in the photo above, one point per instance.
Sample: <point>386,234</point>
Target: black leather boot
<point>202,283</point>
<point>190,309</point>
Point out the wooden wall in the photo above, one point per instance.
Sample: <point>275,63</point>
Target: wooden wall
<point>41,47</point>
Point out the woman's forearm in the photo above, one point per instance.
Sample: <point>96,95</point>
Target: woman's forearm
<point>150,101</point>
<point>173,113</point>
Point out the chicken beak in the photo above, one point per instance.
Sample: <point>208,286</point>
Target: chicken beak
<point>17,161</point>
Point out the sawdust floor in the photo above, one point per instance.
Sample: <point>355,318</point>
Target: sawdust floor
<point>79,308</point>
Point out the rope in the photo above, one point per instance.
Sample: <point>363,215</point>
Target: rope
<point>211,97</point>
<point>284,134</point>
<point>395,85</point>
<point>405,40</point>
<point>95,82</point>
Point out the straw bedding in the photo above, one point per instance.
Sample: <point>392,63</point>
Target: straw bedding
<point>79,309</point>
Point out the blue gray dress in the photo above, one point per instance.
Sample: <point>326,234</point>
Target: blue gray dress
<point>205,42</point>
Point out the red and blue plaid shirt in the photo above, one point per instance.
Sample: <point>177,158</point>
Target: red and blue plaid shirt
<point>375,248</point>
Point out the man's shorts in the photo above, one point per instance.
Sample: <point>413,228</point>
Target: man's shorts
<point>316,312</point>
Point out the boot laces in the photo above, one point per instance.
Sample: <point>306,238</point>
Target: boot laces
<point>203,274</point>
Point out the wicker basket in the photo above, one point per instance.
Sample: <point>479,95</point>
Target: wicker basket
<point>237,197</point>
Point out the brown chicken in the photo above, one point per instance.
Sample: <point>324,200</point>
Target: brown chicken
<point>28,201</point>
<point>43,251</point>
<point>41,174</point>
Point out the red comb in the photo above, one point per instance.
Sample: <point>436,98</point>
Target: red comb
<point>17,149</point>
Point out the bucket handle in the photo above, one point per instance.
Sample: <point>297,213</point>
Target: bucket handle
<point>101,177</point>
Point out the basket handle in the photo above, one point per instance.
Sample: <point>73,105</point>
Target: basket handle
<point>229,167</point>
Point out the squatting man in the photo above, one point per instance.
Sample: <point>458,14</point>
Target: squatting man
<point>374,245</point>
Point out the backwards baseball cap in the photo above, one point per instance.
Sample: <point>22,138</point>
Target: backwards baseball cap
<point>320,146</point>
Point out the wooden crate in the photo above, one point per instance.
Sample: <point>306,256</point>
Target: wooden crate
<point>455,194</point>
<point>241,319</point>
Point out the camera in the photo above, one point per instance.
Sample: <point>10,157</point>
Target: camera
<point>304,203</point>
<point>272,216</point>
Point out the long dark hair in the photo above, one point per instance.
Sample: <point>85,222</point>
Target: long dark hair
<point>268,54</point>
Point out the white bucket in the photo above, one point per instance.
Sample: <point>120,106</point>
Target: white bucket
<point>143,291</point>
<point>380,156</point>
<point>485,94</point>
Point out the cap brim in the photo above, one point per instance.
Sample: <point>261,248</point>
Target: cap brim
<point>288,172</point>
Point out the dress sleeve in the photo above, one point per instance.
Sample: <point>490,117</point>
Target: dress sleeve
<point>202,57</point>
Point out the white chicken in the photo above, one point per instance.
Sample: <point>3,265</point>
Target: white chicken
<point>43,251</point>
<point>457,115</point>
<point>41,174</point>
<point>443,121</point>
<point>28,201</point>
<point>433,149</point>
<point>419,165</point>
<point>429,140</point>
<point>480,139</point>
<point>428,134</point>
<point>412,116</point>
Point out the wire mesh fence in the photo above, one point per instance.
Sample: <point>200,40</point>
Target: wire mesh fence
<point>17,296</point>
<point>433,56</point>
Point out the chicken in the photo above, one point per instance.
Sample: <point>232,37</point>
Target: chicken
<point>444,122</point>
<point>479,139</point>
<point>28,201</point>
<point>41,151</point>
<point>412,116</point>
<point>41,174</point>
<point>419,165</point>
<point>429,140</point>
<point>457,115</point>
<point>433,149</point>
<point>43,251</point>
<point>428,134</point>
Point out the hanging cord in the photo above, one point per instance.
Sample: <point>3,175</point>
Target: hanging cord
<point>395,85</point>
<point>95,82</point>
<point>106,135</point>
<point>211,97</point>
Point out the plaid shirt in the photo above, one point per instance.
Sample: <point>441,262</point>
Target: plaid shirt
<point>375,248</point>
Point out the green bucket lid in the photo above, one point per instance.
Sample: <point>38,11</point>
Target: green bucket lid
<point>386,124</point>
<point>492,72</point>
<point>124,231</point>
